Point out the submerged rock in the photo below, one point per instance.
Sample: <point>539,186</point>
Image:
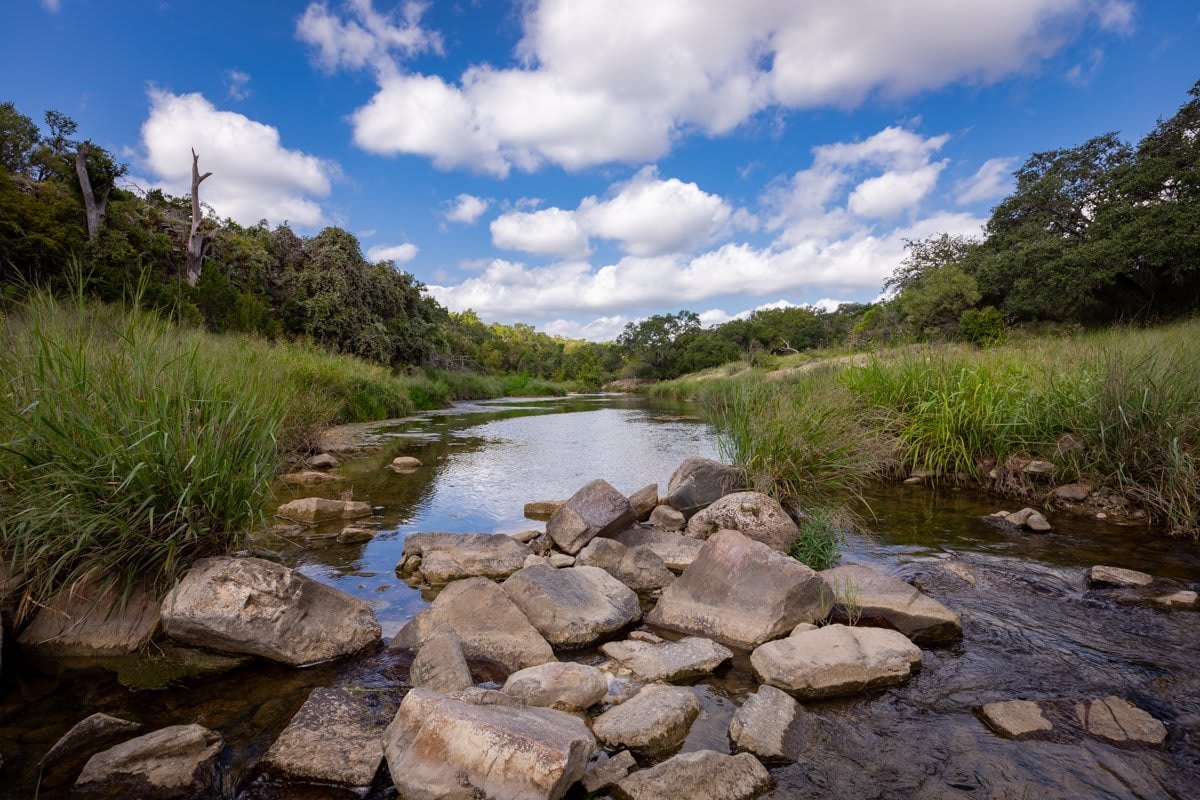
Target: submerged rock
<point>257,607</point>
<point>668,662</point>
<point>597,509</point>
<point>836,660</point>
<point>573,607</point>
<point>703,773</point>
<point>697,482</point>
<point>442,747</point>
<point>565,686</point>
<point>1015,718</point>
<point>879,599</point>
<point>754,514</point>
<point>763,724</point>
<point>656,718</point>
<point>1120,721</point>
<point>1117,576</point>
<point>440,665</point>
<point>739,592</point>
<point>355,535</point>
<point>315,510</point>
<point>447,557</point>
<point>1175,600</point>
<point>90,619</point>
<point>174,762</point>
<point>308,478</point>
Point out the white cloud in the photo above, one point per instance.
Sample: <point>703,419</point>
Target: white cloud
<point>1081,74</point>
<point>399,253</point>
<point>600,329</point>
<point>254,176</point>
<point>238,84</point>
<point>622,80</point>
<point>892,192</point>
<point>551,231</point>
<point>467,209</point>
<point>992,180</point>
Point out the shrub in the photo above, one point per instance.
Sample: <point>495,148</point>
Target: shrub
<point>981,326</point>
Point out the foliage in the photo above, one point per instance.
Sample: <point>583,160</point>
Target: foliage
<point>819,543</point>
<point>981,326</point>
<point>933,303</point>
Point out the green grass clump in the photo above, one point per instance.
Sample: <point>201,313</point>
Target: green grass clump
<point>526,386</point>
<point>819,544</point>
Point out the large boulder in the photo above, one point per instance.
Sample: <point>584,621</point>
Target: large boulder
<point>697,482</point>
<point>335,738</point>
<point>756,515</point>
<point>439,747</point>
<point>668,662</point>
<point>446,557</point>
<point>595,510</point>
<point>639,568</point>
<point>739,592</point>
<point>489,626</point>
<point>440,665</point>
<point>656,718</point>
<point>765,724</point>
<point>573,607</point>
<point>676,550</point>
<point>174,762</point>
<point>702,773</point>
<point>881,600</point>
<point>315,510</point>
<point>565,686</point>
<point>90,619</point>
<point>258,607</point>
<point>836,660</point>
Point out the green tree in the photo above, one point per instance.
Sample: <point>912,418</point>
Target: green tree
<point>655,341</point>
<point>19,137</point>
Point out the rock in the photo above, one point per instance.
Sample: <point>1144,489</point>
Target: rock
<point>607,771</point>
<point>761,724</point>
<point>1015,718</point>
<point>525,536</point>
<point>565,686</point>
<point>676,550</point>
<point>174,762</point>
<point>739,592</point>
<point>532,561</point>
<point>335,738</point>
<point>836,660</point>
<point>405,463</point>
<point>543,509</point>
<point>645,636</point>
<point>1117,576</point>
<point>257,607</point>
<point>1027,518</point>
<point>560,560</point>
<point>323,461</point>
<point>1073,492</point>
<point>667,518</point>
<point>440,747</point>
<point>354,535</point>
<point>1037,523</point>
<point>1039,468</point>
<point>440,665</point>
<point>315,510</point>
<point>1180,599</point>
<point>574,607</point>
<point>754,514</point>
<point>595,510</point>
<point>308,478</point>
<point>668,662</point>
<point>803,627</point>
<point>1120,721</point>
<point>703,773</point>
<point>489,626</point>
<point>447,557</point>
<point>644,501</point>
<point>698,482</point>
<point>78,744</point>
<point>88,619</point>
<point>914,481</point>
<point>656,718</point>
<point>639,568</point>
<point>891,603</point>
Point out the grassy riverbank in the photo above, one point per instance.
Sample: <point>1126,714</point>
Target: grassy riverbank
<point>1119,409</point>
<point>131,446</point>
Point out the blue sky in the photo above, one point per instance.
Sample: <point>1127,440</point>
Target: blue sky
<point>578,165</point>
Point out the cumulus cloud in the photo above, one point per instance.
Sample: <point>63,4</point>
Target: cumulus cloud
<point>399,253</point>
<point>550,231</point>
<point>889,194</point>
<point>238,84</point>
<point>254,176</point>
<point>992,180</point>
<point>621,81</point>
<point>600,329</point>
<point>467,209</point>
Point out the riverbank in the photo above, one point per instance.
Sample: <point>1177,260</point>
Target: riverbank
<point>1117,412</point>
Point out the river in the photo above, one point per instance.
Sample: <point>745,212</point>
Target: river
<point>1032,630</point>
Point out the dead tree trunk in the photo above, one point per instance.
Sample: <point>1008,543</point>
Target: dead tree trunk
<point>95,209</point>
<point>197,237</point>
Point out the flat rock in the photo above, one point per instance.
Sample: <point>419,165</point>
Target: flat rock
<point>889,602</point>
<point>1117,576</point>
<point>676,550</point>
<point>703,773</point>
<point>739,592</point>
<point>565,686</point>
<point>543,509</point>
<point>89,619</point>
<point>762,724</point>
<point>489,626</point>
<point>697,482</point>
<point>258,607</point>
<point>644,501</point>
<point>1176,600</point>
<point>174,762</point>
<point>308,478</point>
<point>447,557</point>
<point>667,518</point>
<point>754,514</point>
<point>668,662</point>
<point>574,607</point>
<point>608,771</point>
<point>525,537</point>
<point>1119,720</point>
<point>595,510</point>
<point>440,665</point>
<point>560,560</point>
<point>836,660</point>
<point>323,461</point>
<point>335,738</point>
<point>94,733</point>
<point>639,568</point>
<point>1073,492</point>
<point>1015,718</point>
<point>354,535</point>
<point>315,510</point>
<point>656,718</point>
<point>440,747</point>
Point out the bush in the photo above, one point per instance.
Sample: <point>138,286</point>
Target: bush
<point>981,326</point>
<point>819,544</point>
